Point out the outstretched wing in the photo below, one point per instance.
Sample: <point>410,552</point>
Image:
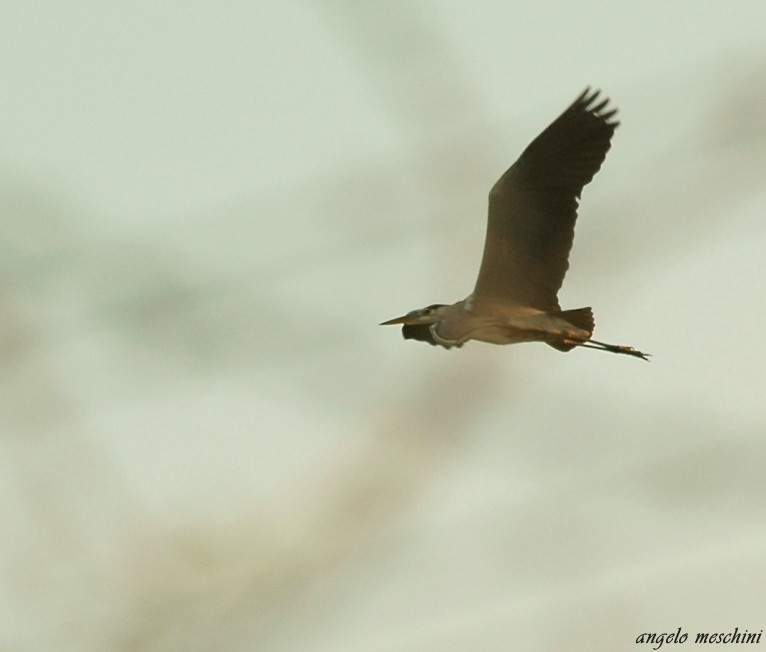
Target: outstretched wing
<point>533,207</point>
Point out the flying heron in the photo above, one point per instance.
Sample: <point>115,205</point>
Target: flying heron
<point>532,213</point>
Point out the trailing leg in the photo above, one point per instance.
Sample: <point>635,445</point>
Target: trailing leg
<point>611,348</point>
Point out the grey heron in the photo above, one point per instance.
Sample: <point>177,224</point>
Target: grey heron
<point>530,230</point>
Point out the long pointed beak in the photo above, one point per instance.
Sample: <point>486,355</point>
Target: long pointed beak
<point>398,320</point>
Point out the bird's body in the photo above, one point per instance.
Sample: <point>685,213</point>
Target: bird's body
<point>530,230</point>
<point>455,324</point>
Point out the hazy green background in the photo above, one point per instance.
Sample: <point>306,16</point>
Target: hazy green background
<point>207,443</point>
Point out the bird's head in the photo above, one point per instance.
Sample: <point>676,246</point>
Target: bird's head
<point>416,325</point>
<point>427,315</point>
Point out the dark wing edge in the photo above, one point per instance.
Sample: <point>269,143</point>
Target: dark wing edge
<point>533,206</point>
<point>422,333</point>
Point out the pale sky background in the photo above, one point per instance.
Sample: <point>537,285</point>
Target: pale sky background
<point>206,441</point>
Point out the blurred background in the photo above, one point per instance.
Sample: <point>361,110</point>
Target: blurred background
<point>206,441</point>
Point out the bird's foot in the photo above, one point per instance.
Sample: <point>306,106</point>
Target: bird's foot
<point>612,348</point>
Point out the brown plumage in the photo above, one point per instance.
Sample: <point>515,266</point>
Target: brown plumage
<point>533,207</point>
<point>530,230</point>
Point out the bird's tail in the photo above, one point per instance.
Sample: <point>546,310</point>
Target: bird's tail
<point>581,318</point>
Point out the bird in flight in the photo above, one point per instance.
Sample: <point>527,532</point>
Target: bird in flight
<point>530,230</point>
